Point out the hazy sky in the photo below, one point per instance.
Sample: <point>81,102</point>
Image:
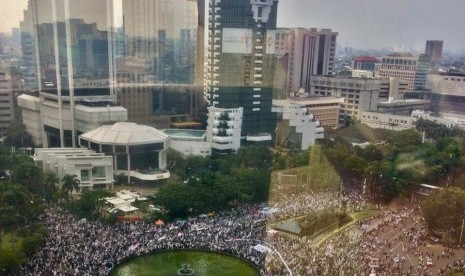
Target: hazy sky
<point>360,23</point>
<point>378,23</point>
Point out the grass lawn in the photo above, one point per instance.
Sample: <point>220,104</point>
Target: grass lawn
<point>457,274</point>
<point>361,133</point>
<point>7,241</point>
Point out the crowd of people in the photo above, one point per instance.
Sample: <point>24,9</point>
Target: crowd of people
<point>78,247</point>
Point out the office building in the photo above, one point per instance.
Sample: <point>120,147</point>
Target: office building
<point>74,71</point>
<point>392,88</point>
<point>359,94</point>
<point>423,67</point>
<point>325,109</point>
<point>241,63</point>
<point>162,37</point>
<point>296,127</point>
<point>6,98</point>
<point>310,51</point>
<point>433,50</point>
<point>403,107</point>
<point>401,66</point>
<point>446,84</point>
<point>364,63</point>
<point>93,170</point>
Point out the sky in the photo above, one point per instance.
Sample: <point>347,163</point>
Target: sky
<point>360,23</point>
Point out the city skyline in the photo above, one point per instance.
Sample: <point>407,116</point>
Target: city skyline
<point>379,23</point>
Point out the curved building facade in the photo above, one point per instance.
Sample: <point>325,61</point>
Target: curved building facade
<point>138,151</point>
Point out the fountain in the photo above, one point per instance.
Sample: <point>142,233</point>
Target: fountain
<point>186,271</point>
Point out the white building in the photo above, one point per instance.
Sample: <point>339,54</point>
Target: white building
<point>387,121</point>
<point>189,141</point>
<point>51,120</point>
<point>311,52</point>
<point>446,84</point>
<point>402,66</point>
<point>402,122</point>
<point>296,126</point>
<point>94,170</point>
<point>359,94</point>
<point>224,128</point>
<point>138,151</point>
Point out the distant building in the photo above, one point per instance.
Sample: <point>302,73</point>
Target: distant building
<point>402,122</point>
<point>325,109</point>
<point>296,127</point>
<point>387,121</point>
<point>392,88</point>
<point>73,52</point>
<point>423,67</point>
<point>162,34</point>
<point>6,99</point>
<point>402,66</point>
<point>433,50</point>
<point>403,107</point>
<point>364,63</point>
<point>446,83</point>
<point>358,73</point>
<point>310,52</point>
<point>359,94</point>
<point>93,170</point>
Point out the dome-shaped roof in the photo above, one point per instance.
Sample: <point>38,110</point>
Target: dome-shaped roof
<point>125,133</point>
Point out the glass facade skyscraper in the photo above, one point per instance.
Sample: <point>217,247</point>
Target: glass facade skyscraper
<point>241,62</point>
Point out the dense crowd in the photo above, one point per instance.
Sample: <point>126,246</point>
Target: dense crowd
<point>78,247</point>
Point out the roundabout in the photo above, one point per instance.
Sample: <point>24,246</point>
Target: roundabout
<point>185,262</point>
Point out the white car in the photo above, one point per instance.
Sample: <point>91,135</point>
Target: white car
<point>429,262</point>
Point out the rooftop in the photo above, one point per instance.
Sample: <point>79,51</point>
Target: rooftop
<point>125,133</point>
<point>189,133</point>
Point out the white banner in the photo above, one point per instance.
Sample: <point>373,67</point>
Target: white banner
<point>237,41</point>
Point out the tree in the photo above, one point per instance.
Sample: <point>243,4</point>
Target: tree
<point>406,139</point>
<point>17,136</point>
<point>91,203</point>
<point>49,184</point>
<point>444,210</point>
<point>70,183</point>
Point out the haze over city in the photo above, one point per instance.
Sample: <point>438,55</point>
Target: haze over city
<point>360,23</point>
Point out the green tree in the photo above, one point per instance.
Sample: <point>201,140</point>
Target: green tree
<point>49,184</point>
<point>17,136</point>
<point>70,183</point>
<point>91,203</point>
<point>444,210</point>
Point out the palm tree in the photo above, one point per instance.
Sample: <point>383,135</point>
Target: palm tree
<point>70,183</point>
<point>50,183</point>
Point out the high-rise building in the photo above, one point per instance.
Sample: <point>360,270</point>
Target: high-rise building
<point>401,66</point>
<point>433,50</point>
<point>73,49</point>
<point>360,94</point>
<point>423,67</point>
<point>6,98</point>
<point>161,35</point>
<point>310,52</point>
<point>241,62</point>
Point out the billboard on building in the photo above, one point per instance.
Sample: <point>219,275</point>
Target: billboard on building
<point>271,42</point>
<point>237,41</point>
